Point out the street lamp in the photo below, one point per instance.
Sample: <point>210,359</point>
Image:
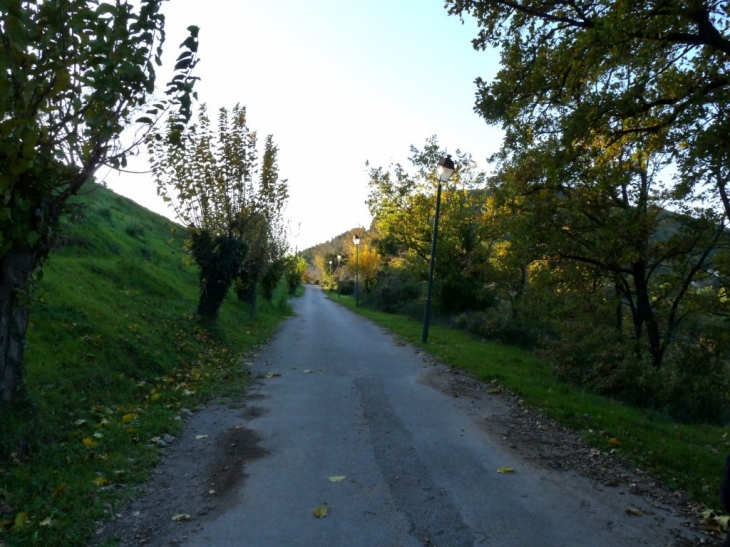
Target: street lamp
<point>443,173</point>
<point>356,241</point>
<point>339,276</point>
<point>330,283</point>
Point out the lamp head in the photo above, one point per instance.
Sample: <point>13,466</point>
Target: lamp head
<point>445,168</point>
<point>356,239</point>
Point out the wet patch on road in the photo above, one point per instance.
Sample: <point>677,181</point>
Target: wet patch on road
<point>235,447</point>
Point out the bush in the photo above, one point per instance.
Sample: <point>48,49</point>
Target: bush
<point>394,290</point>
<point>500,326</point>
<point>347,286</point>
<point>696,383</point>
<point>597,358</point>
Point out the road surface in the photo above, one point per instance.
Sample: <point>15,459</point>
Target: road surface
<point>334,395</point>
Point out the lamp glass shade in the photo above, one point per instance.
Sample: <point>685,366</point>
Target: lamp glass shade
<point>356,240</point>
<point>445,169</point>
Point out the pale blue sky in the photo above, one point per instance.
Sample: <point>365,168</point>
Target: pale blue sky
<point>337,82</point>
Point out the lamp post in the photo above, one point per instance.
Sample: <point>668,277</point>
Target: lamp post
<point>443,173</point>
<point>330,283</point>
<point>356,241</point>
<point>339,275</point>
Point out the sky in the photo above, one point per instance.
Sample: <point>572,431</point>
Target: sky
<point>337,83</point>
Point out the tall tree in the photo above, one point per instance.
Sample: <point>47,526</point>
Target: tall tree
<point>572,68</point>
<point>73,75</point>
<point>403,206</point>
<point>213,184</point>
<point>265,233</point>
<point>596,98</point>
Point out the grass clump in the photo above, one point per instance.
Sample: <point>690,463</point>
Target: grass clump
<point>690,457</point>
<point>114,353</point>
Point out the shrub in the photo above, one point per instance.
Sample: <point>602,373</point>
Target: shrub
<point>502,326</point>
<point>347,286</point>
<point>696,385</point>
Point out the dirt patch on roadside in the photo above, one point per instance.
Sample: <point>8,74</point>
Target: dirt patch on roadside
<point>198,476</point>
<point>549,445</point>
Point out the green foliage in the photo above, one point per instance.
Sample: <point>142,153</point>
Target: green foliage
<point>403,206</point>
<point>73,75</point>
<point>574,71</point>
<point>234,220</point>
<point>64,109</point>
<point>296,267</point>
<point>219,259</point>
<point>113,336</point>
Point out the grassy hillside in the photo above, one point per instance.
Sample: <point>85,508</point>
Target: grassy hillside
<point>114,352</point>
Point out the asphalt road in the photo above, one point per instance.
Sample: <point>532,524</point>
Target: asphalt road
<point>419,468</point>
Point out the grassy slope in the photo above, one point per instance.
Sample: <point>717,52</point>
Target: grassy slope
<point>114,352</point>
<point>690,457</point>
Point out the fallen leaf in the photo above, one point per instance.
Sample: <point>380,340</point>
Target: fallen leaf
<point>337,478</point>
<point>321,511</point>
<point>181,517</point>
<point>79,422</point>
<point>506,470</point>
<point>22,518</point>
<point>89,442</point>
<point>714,521</point>
<point>128,418</point>
<point>201,437</point>
<point>613,441</point>
<point>293,367</point>
<point>634,511</point>
<point>306,371</point>
<point>46,522</point>
<point>100,481</point>
<point>272,374</point>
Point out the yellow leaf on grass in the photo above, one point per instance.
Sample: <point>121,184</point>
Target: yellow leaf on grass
<point>181,517</point>
<point>89,442</point>
<point>128,417</point>
<point>21,519</point>
<point>613,441</point>
<point>46,522</point>
<point>337,478</point>
<point>5,523</point>
<point>100,481</point>
<point>634,511</point>
<point>506,470</point>
<point>79,422</point>
<point>321,511</point>
<point>155,397</point>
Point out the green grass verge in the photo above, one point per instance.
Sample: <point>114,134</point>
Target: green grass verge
<point>690,457</point>
<point>114,352</point>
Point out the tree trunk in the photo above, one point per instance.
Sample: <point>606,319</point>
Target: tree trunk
<point>645,315</point>
<point>15,270</point>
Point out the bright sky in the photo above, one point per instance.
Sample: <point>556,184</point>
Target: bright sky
<point>337,82</point>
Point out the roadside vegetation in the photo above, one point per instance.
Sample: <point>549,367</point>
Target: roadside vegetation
<point>598,244</point>
<point>115,352</point>
<point>687,457</point>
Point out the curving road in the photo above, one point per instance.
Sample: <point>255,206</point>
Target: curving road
<point>419,468</point>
